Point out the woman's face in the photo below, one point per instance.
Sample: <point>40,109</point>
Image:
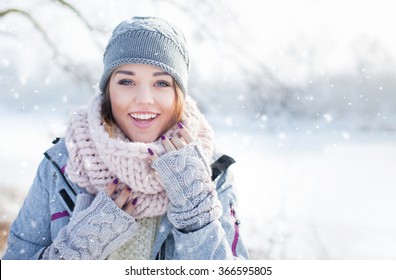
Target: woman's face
<point>142,101</point>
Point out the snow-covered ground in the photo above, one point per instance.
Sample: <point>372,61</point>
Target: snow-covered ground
<point>302,194</point>
<point>322,195</point>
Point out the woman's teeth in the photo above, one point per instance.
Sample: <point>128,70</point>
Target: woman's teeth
<point>143,116</point>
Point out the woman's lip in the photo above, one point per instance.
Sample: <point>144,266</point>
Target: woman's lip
<point>143,123</point>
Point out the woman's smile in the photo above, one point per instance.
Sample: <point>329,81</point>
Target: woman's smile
<point>143,120</point>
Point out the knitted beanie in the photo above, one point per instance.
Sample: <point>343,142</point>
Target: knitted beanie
<point>147,40</point>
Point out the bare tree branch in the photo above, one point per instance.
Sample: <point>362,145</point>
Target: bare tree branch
<point>66,64</point>
<point>78,14</point>
<point>35,24</point>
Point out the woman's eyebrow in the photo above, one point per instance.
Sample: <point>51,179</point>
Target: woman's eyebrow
<point>125,72</point>
<point>131,73</point>
<point>160,74</point>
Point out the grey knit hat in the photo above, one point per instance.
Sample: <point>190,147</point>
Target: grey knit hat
<point>147,40</point>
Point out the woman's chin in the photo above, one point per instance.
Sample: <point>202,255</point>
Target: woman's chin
<point>144,138</point>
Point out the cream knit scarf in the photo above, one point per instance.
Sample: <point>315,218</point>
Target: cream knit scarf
<point>95,158</point>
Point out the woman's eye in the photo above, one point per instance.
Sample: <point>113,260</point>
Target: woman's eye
<point>162,84</point>
<point>125,82</point>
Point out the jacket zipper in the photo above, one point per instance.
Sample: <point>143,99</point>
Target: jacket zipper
<point>236,227</point>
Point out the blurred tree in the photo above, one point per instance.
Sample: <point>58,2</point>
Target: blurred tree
<point>59,58</point>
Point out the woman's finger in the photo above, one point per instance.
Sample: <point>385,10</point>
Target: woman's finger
<point>123,197</point>
<point>111,187</point>
<point>167,144</point>
<point>130,206</point>
<point>185,133</point>
<point>153,155</point>
<point>178,143</point>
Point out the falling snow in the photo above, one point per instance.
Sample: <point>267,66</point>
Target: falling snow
<point>312,127</point>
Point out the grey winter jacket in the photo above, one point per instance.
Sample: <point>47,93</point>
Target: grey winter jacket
<point>50,201</point>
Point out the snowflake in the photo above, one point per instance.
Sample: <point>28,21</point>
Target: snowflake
<point>162,229</point>
<point>179,247</point>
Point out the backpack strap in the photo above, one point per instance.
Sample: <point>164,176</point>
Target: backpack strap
<point>67,193</point>
<point>56,140</point>
<point>221,165</point>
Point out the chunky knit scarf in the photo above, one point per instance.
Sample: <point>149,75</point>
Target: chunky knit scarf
<point>95,158</point>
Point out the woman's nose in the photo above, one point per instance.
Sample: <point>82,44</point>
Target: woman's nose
<point>144,95</point>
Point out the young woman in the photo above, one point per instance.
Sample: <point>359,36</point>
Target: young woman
<point>136,176</point>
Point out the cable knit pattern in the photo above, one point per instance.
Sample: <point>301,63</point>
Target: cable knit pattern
<point>192,194</point>
<point>93,233</point>
<point>95,158</point>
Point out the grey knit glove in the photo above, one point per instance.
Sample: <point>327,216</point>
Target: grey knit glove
<point>93,233</point>
<point>192,194</point>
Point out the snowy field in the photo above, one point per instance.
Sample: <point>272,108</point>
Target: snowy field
<point>316,196</point>
<point>302,195</point>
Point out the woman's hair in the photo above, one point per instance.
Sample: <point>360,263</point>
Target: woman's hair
<point>110,123</point>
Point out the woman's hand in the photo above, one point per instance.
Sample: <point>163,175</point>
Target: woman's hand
<point>121,198</point>
<point>175,143</point>
<point>97,229</point>
<point>187,180</point>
